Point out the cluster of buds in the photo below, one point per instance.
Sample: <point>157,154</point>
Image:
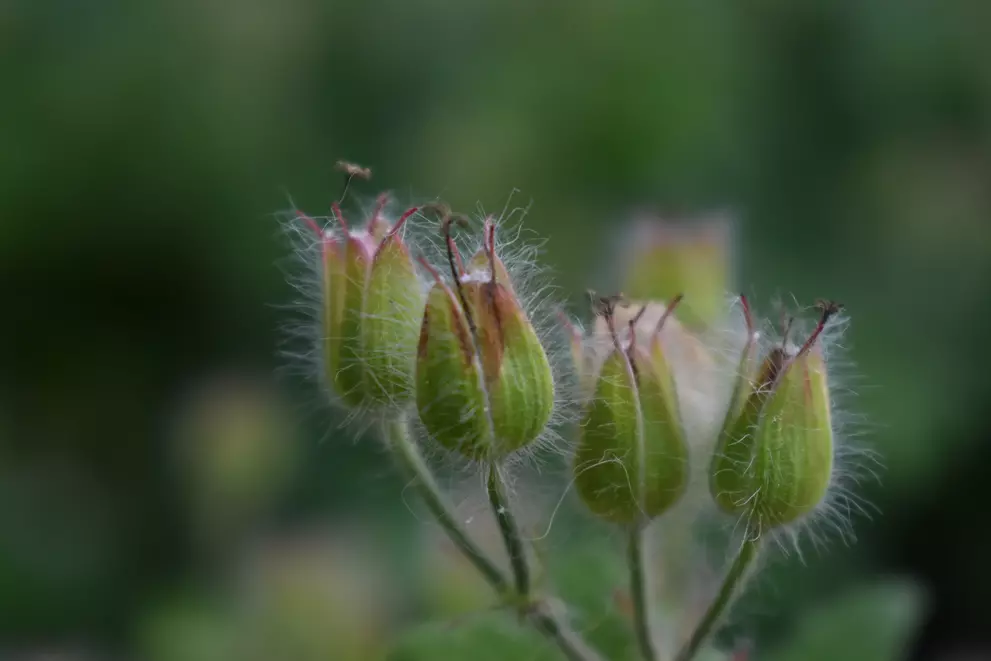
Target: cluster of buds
<point>772,456</point>
<point>665,405</point>
<point>664,395</point>
<point>457,345</point>
<point>461,349</point>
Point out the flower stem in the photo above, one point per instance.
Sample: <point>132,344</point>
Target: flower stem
<point>510,532</point>
<point>405,450</point>
<point>734,578</point>
<point>550,623</point>
<point>640,591</point>
<point>554,627</point>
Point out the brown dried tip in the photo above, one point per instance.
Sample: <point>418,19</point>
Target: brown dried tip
<point>605,306</point>
<point>353,170</point>
<point>786,323</point>
<point>747,314</point>
<point>447,219</point>
<point>446,216</point>
<point>638,316</point>
<point>828,308</point>
<point>742,651</point>
<point>668,311</point>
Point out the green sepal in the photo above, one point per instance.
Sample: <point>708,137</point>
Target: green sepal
<point>665,448</point>
<point>795,441</point>
<point>632,418</point>
<point>774,462</point>
<point>518,378</point>
<point>390,327</point>
<point>606,467</point>
<point>334,287</point>
<point>348,377</point>
<point>449,395</point>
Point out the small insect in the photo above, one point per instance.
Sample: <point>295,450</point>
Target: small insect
<point>351,170</point>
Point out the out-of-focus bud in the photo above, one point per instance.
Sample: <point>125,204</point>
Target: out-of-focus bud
<point>234,455</point>
<point>372,303</point>
<point>774,460</point>
<point>632,457</point>
<point>665,259</point>
<point>309,596</point>
<point>484,386</point>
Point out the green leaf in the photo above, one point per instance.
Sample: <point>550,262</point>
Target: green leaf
<point>485,637</point>
<point>868,624</point>
<point>589,578</point>
<point>189,628</point>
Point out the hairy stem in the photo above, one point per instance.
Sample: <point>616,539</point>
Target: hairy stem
<point>549,622</point>
<point>552,624</point>
<point>510,533</point>
<point>405,450</point>
<point>641,586</point>
<point>731,584</point>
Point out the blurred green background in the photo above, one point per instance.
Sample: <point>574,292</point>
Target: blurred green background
<point>163,494</point>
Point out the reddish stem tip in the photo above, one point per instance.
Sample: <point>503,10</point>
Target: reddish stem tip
<point>312,224</point>
<point>829,308</point>
<point>668,312</point>
<point>631,349</point>
<point>430,269</point>
<point>402,219</point>
<point>747,315</point>
<point>605,307</point>
<point>489,238</point>
<point>638,316</point>
<point>488,234</point>
<point>569,325</point>
<point>380,202</point>
<point>336,208</point>
<point>454,258</point>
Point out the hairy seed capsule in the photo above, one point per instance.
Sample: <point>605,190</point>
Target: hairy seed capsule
<point>632,458</point>
<point>371,311</point>
<point>774,460</point>
<point>484,386</point>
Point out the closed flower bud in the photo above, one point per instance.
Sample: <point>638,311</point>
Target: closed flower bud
<point>484,386</point>
<point>774,459</point>
<point>632,457</point>
<point>371,306</point>
<point>666,258</point>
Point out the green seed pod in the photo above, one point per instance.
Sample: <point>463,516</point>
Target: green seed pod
<point>372,304</point>
<point>774,460</point>
<point>632,457</point>
<point>484,385</point>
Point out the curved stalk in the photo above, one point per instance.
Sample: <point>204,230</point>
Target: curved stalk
<point>554,627</point>
<point>640,591</point>
<point>546,620</point>
<point>734,579</point>
<point>510,532</point>
<point>405,450</point>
